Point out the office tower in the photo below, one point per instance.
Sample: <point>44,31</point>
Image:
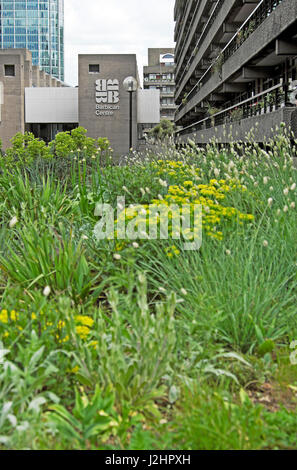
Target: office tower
<point>37,25</point>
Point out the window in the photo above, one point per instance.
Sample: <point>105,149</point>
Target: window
<point>9,70</point>
<point>94,68</point>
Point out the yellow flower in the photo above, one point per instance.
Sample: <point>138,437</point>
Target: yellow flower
<point>61,325</point>
<point>82,331</point>
<point>84,320</point>
<point>4,316</point>
<point>13,315</point>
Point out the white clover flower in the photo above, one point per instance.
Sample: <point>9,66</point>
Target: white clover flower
<point>228,252</point>
<point>135,245</point>
<point>161,289</point>
<point>184,292</point>
<point>265,244</point>
<point>271,188</point>
<point>286,191</point>
<point>13,222</point>
<point>148,190</point>
<point>84,237</point>
<point>286,209</point>
<point>142,191</point>
<point>293,205</point>
<point>163,421</point>
<point>265,180</point>
<point>117,257</point>
<point>270,202</point>
<point>293,187</point>
<point>163,183</point>
<point>46,291</point>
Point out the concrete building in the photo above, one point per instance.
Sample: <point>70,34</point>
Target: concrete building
<point>16,75</point>
<point>37,25</point>
<point>236,67</point>
<point>103,102</point>
<point>31,100</point>
<point>159,75</point>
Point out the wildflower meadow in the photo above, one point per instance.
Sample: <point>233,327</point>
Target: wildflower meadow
<point>132,340</point>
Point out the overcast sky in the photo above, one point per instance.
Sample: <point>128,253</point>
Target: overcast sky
<point>115,27</point>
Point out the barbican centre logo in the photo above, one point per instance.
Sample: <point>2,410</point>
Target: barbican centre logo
<point>107,97</point>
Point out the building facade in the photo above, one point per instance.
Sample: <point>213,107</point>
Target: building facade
<point>36,25</point>
<point>32,100</point>
<point>17,73</point>
<point>160,75</point>
<point>236,68</point>
<point>103,102</point>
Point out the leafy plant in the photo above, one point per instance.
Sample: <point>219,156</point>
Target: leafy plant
<point>136,347</point>
<point>92,420</point>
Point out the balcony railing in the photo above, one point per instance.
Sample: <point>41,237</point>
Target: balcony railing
<point>266,102</point>
<point>203,35</point>
<point>158,82</point>
<point>181,48</point>
<point>261,12</point>
<point>168,105</point>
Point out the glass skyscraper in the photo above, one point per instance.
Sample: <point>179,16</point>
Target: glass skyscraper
<point>37,25</point>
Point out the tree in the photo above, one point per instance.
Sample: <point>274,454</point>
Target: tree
<point>164,129</point>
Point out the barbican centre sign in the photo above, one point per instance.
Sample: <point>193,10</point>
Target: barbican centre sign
<point>107,97</point>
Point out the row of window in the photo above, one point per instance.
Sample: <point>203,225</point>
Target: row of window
<point>8,5</point>
<point>9,70</point>
<point>159,76</point>
<point>167,101</point>
<point>163,89</point>
<point>25,22</point>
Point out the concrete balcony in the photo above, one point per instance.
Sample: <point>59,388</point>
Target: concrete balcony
<point>180,28</point>
<point>184,41</point>
<point>164,94</point>
<point>212,34</point>
<point>168,106</point>
<point>263,48</point>
<point>161,68</point>
<point>158,83</point>
<point>262,125</point>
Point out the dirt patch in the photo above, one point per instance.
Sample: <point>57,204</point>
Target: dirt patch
<point>273,396</point>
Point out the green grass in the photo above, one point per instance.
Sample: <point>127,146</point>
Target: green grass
<point>148,346</point>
